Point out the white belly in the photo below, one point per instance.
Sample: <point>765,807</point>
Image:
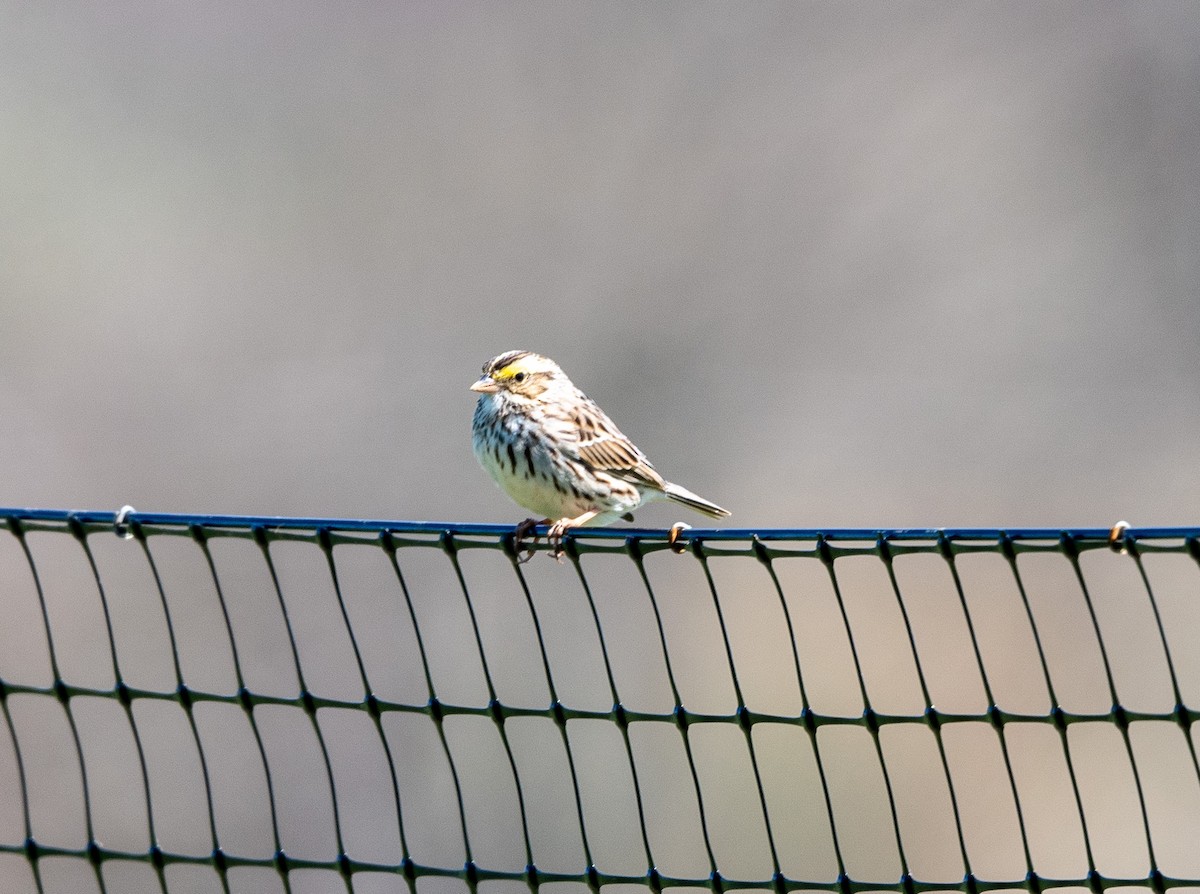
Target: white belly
<point>529,476</point>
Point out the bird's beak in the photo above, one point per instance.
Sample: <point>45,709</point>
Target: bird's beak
<point>486,385</point>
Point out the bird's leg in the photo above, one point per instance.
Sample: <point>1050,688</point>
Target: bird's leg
<point>521,532</point>
<point>560,527</point>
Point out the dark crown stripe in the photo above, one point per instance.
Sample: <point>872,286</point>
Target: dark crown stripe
<point>504,360</point>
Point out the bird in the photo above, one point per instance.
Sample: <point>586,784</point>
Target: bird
<point>556,453</point>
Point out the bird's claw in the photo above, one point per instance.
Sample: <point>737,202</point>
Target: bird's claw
<point>554,537</point>
<point>557,531</point>
<point>519,535</point>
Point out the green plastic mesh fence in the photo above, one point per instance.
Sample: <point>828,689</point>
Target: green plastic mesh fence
<point>232,704</point>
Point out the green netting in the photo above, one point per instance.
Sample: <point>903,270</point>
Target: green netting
<point>218,704</point>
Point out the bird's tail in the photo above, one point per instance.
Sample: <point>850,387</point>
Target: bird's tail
<point>692,501</point>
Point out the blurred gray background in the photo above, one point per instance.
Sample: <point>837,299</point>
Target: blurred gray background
<point>828,264</point>
<point>902,264</point>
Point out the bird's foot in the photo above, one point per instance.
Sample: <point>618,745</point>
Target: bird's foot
<point>555,537</point>
<point>559,529</point>
<point>519,535</point>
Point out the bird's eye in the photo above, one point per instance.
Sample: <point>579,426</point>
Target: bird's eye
<point>520,377</point>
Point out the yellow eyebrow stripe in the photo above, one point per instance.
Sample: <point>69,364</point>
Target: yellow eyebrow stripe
<point>511,370</point>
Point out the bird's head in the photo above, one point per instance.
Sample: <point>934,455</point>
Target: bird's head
<point>520,374</point>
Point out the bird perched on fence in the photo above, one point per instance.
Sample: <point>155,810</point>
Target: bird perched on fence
<point>555,452</point>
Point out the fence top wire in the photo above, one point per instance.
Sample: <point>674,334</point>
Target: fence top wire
<point>102,518</point>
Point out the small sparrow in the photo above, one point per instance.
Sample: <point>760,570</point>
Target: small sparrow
<point>555,452</point>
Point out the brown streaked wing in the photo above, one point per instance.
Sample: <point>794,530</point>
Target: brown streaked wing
<point>617,455</point>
